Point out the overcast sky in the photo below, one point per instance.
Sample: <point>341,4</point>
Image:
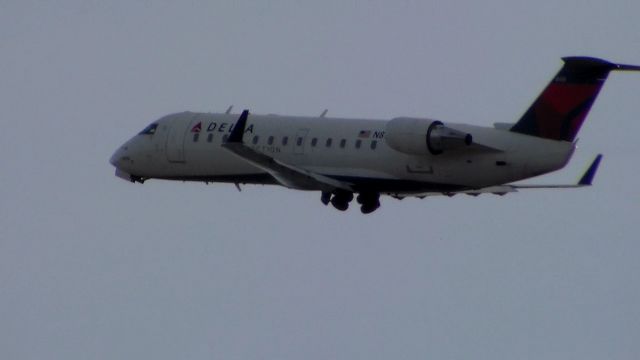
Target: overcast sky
<point>93,267</point>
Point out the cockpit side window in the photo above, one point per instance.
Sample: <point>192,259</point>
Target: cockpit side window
<point>149,130</point>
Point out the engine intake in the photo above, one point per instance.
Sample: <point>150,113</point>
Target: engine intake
<point>424,136</point>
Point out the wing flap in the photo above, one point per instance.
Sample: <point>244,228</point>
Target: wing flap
<point>585,180</point>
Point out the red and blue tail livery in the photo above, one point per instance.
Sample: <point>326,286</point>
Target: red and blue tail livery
<point>560,110</point>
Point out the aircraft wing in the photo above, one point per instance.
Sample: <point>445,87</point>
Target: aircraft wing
<point>585,180</point>
<point>496,190</point>
<point>286,174</point>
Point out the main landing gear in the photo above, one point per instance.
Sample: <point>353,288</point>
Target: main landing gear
<point>369,201</point>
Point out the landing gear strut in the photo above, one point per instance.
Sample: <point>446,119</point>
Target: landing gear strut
<point>325,198</point>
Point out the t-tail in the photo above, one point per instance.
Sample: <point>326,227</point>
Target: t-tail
<point>560,110</point>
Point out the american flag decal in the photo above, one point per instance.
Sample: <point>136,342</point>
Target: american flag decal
<point>364,134</point>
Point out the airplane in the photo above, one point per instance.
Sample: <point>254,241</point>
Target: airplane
<point>366,158</point>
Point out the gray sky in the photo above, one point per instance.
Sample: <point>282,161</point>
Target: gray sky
<point>92,267</point>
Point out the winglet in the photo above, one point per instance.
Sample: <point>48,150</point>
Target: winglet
<point>238,129</point>
<point>588,176</point>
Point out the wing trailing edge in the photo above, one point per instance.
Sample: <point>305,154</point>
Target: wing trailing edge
<point>286,174</point>
<point>585,180</point>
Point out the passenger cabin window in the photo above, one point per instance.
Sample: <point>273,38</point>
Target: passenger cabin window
<point>299,141</point>
<point>328,143</point>
<point>210,138</point>
<point>374,144</point>
<point>225,137</point>
<point>358,143</point>
<point>255,139</point>
<point>343,143</point>
<point>149,130</point>
<point>285,140</point>
<point>270,140</point>
<point>196,136</point>
<point>314,142</point>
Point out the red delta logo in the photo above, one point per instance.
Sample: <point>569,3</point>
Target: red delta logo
<point>197,128</point>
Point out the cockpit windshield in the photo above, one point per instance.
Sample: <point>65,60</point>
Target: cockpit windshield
<point>149,130</point>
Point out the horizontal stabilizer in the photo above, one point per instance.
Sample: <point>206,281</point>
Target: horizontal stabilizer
<point>624,67</point>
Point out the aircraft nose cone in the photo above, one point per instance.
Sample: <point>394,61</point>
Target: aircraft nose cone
<point>122,161</point>
<point>119,156</point>
<point>113,160</point>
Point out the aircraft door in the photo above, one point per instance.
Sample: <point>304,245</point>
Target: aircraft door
<point>300,141</point>
<point>175,138</point>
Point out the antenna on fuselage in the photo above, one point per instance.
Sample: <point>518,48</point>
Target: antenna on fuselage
<point>324,113</point>
<point>229,110</point>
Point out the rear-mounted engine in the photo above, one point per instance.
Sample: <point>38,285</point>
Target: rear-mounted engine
<point>424,136</point>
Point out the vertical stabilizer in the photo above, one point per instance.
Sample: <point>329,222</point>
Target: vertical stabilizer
<point>561,108</point>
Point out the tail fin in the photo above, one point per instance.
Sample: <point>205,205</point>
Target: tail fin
<point>562,107</point>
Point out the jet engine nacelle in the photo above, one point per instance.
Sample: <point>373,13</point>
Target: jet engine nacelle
<point>423,136</point>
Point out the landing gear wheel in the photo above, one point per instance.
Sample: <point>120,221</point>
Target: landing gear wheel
<point>369,208</point>
<point>340,205</point>
<point>369,202</point>
<point>341,200</point>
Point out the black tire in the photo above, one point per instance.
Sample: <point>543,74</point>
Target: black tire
<point>369,208</point>
<point>339,204</point>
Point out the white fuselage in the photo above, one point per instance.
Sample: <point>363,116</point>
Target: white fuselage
<point>352,150</point>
